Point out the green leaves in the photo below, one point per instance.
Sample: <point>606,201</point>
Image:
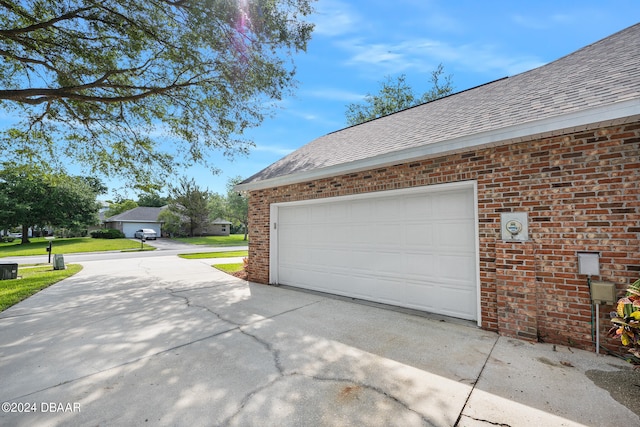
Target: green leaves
<point>189,202</point>
<point>34,196</point>
<point>396,95</point>
<point>116,84</point>
<point>626,321</point>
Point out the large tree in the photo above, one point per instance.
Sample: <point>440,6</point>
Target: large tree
<point>189,202</point>
<point>395,95</point>
<point>35,197</point>
<point>137,88</point>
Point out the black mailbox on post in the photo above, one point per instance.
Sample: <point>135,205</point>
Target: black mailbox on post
<point>8,271</point>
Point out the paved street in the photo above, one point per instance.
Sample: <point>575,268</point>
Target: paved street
<point>166,341</point>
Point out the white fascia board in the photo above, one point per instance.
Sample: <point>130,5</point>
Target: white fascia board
<point>618,113</point>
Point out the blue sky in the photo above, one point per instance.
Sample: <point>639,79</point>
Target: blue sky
<point>357,43</point>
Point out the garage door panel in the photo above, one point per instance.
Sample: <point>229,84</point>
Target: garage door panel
<point>361,209</point>
<point>454,204</point>
<point>420,234</point>
<point>391,263</point>
<point>390,291</point>
<point>454,234</point>
<point>422,295</point>
<point>386,210</point>
<point>363,260</point>
<point>361,286</point>
<point>360,233</point>
<point>456,302</point>
<point>420,264</point>
<point>455,267</point>
<point>418,207</point>
<point>295,215</point>
<point>334,257</point>
<point>387,234</point>
<point>413,249</point>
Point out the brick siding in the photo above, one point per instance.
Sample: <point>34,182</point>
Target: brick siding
<point>581,192</point>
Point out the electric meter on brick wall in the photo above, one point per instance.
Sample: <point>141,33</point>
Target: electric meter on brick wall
<point>514,226</point>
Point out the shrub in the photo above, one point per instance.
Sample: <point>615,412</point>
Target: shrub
<point>7,239</point>
<point>626,320</point>
<point>107,233</point>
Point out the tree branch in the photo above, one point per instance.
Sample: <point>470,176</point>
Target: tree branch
<point>46,24</point>
<point>26,60</point>
<point>42,95</point>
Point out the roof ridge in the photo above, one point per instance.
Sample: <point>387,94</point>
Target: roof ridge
<point>598,76</point>
<point>420,104</point>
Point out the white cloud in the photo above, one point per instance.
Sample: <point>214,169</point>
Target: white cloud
<point>335,95</point>
<point>273,149</point>
<point>546,22</point>
<point>334,18</point>
<point>424,55</point>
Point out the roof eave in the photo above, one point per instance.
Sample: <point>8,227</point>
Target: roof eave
<point>608,115</point>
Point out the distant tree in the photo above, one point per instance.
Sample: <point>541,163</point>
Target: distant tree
<point>119,206</point>
<point>189,201</point>
<point>232,206</point>
<point>94,80</point>
<point>238,205</point>
<point>96,185</point>
<point>25,190</point>
<point>396,95</point>
<point>217,206</point>
<point>33,197</point>
<point>152,199</point>
<point>171,223</point>
<point>72,203</point>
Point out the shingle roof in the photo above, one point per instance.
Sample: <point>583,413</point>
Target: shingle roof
<point>595,77</point>
<point>220,221</point>
<point>139,214</point>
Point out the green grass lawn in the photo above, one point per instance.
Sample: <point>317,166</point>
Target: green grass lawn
<point>33,279</point>
<point>230,268</point>
<point>38,246</point>
<point>231,240</point>
<point>202,255</point>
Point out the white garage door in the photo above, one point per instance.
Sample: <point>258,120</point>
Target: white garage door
<point>412,248</point>
<point>129,228</point>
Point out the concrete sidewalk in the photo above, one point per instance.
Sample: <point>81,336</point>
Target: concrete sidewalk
<point>168,341</point>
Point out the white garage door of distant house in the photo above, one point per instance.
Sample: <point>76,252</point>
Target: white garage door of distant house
<point>130,228</point>
<point>414,248</point>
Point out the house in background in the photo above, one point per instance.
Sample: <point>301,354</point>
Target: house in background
<point>475,205</point>
<point>135,219</point>
<point>220,227</point>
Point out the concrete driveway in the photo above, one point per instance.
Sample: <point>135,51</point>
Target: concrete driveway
<point>168,341</point>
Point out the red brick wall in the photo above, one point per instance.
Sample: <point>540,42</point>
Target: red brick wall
<point>581,192</point>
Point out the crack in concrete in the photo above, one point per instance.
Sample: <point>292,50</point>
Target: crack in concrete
<point>128,362</point>
<point>374,389</point>
<point>191,304</point>
<point>285,376</point>
<point>282,375</point>
<point>473,388</point>
<point>488,422</point>
<point>274,352</point>
<point>278,364</point>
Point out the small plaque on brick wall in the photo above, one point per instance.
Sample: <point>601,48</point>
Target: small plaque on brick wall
<point>515,226</point>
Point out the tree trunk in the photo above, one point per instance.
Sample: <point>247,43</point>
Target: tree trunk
<point>25,234</point>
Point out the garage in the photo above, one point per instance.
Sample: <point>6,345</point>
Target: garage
<point>413,248</point>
